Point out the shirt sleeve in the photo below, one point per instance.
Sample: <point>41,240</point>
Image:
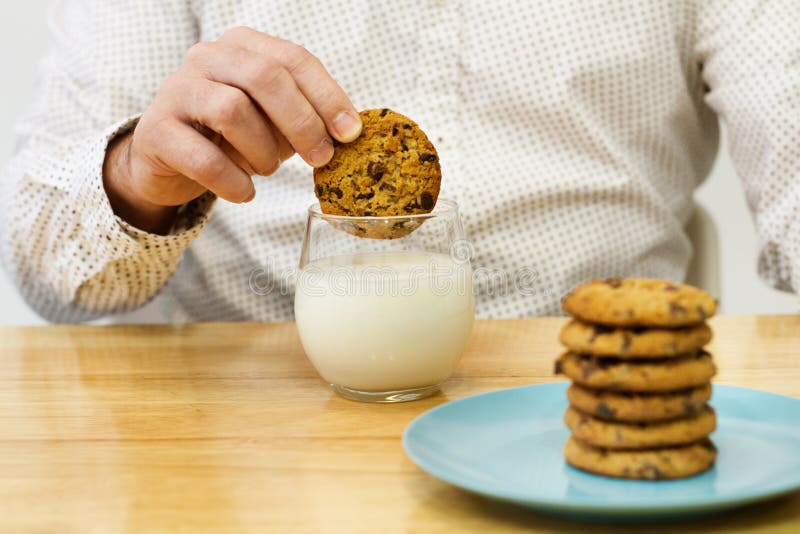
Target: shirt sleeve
<point>70,256</point>
<point>750,55</point>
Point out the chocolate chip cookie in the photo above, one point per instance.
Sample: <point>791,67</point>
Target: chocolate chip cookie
<point>602,340</point>
<point>668,374</point>
<point>638,407</point>
<point>390,169</point>
<point>654,464</point>
<point>639,302</point>
<point>625,435</point>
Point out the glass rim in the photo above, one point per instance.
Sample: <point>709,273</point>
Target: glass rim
<point>447,205</point>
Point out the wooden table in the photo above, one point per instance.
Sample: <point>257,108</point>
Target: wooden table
<point>226,427</point>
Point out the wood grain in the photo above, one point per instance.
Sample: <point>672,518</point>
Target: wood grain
<point>226,427</point>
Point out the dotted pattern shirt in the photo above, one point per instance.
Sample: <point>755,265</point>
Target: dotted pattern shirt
<point>571,133</point>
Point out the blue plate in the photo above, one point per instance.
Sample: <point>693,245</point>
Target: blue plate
<point>507,444</point>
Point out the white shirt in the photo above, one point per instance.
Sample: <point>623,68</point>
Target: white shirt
<point>571,133</point>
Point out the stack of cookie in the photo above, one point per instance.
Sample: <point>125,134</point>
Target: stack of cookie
<point>641,379</point>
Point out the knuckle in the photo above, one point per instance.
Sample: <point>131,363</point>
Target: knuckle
<point>198,52</point>
<point>230,108</point>
<point>149,132</point>
<point>171,85</point>
<point>305,122</point>
<point>330,100</point>
<point>299,59</point>
<point>209,165</point>
<point>265,73</point>
<point>237,32</point>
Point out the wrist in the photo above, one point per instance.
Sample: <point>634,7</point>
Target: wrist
<point>124,200</point>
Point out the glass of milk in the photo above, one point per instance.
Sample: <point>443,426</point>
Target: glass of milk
<point>384,305</point>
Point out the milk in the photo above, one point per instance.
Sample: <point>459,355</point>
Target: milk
<point>384,321</point>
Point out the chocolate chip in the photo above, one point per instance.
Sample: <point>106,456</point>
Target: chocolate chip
<point>558,368</point>
<point>404,146</point>
<point>320,189</point>
<point>605,412</point>
<point>613,282</point>
<point>369,214</point>
<point>384,111</point>
<point>394,130</point>
<point>427,156</point>
<point>626,343</point>
<point>701,312</point>
<point>676,309</point>
<point>376,170</point>
<point>368,195</point>
<point>589,368</point>
<point>336,191</point>
<point>385,186</point>
<point>406,126</point>
<point>649,471</point>
<point>689,408</point>
<point>411,206</point>
<point>427,201</point>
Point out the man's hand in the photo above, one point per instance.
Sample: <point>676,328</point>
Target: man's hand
<point>236,107</point>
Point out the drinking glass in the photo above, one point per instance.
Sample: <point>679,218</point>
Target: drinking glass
<point>384,305</point>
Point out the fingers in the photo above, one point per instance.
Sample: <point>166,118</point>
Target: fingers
<point>236,157</point>
<point>271,85</point>
<point>285,150</point>
<point>291,86</point>
<point>232,114</point>
<point>316,83</point>
<point>190,153</point>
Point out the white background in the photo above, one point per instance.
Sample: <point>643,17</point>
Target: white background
<point>23,40</point>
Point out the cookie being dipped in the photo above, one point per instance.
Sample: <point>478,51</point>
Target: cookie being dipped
<point>391,169</point>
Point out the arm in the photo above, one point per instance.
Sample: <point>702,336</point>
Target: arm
<point>69,254</point>
<point>87,206</point>
<point>750,53</point>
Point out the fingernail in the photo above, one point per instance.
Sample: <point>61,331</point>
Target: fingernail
<point>250,197</point>
<point>322,154</point>
<point>347,125</point>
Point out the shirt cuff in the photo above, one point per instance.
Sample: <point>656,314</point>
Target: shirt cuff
<point>103,237</point>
